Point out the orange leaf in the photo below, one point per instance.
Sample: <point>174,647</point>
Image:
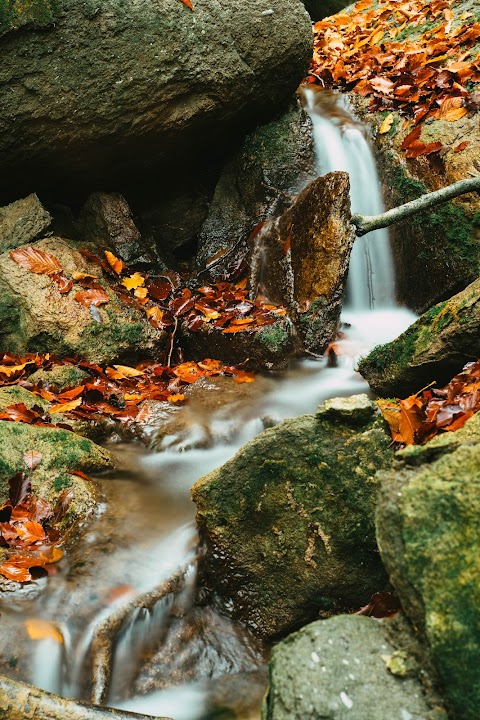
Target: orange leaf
<point>115,263</point>
<point>126,371</point>
<point>134,281</point>
<point>31,532</point>
<point>66,407</point>
<point>13,572</point>
<point>154,313</point>
<point>187,3</point>
<point>141,293</point>
<point>37,261</point>
<point>461,146</point>
<point>39,629</point>
<point>11,369</point>
<point>91,297</point>
<point>176,398</point>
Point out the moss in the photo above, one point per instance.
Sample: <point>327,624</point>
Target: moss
<point>62,482</point>
<point>16,394</point>
<point>275,338</point>
<point>15,14</point>
<point>59,377</point>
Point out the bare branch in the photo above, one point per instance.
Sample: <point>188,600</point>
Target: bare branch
<point>366,223</point>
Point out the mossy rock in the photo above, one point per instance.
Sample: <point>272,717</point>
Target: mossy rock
<point>295,509</point>
<point>433,349</point>
<point>15,14</point>
<point>62,451</point>
<point>15,394</point>
<point>427,529</point>
<point>59,377</point>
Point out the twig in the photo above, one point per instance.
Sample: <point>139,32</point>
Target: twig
<point>172,340</point>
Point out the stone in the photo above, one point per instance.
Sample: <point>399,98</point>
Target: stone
<point>353,410</point>
<point>338,669</point>
<point>319,9</point>
<point>107,223</point>
<point>15,394</point>
<point>274,164</point>
<point>294,509</point>
<point>427,530</point>
<point>22,222</point>
<point>36,317</point>
<point>59,377</point>
<point>302,259</point>
<point>433,349</point>
<point>149,86</point>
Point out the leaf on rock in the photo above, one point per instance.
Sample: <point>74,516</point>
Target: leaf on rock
<point>19,488</point>
<point>188,3</point>
<point>66,407</point>
<point>31,532</point>
<point>386,124</point>
<point>63,283</point>
<point>91,297</point>
<point>32,459</point>
<point>461,146</point>
<point>115,263</point>
<point>134,281</point>
<point>37,261</point>
<point>14,572</point>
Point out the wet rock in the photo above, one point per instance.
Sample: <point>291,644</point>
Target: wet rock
<point>302,259</point>
<point>294,509</point>
<point>59,377</point>
<point>427,529</point>
<point>434,348</point>
<point>275,163</point>
<point>267,347</point>
<point>436,252</point>
<point>22,222</point>
<point>62,451</point>
<point>107,223</point>
<point>35,316</point>
<point>339,669</point>
<point>171,84</point>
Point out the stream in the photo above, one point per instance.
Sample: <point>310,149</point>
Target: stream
<point>183,659</point>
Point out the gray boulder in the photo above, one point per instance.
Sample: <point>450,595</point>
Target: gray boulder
<point>289,521</point>
<point>22,222</point>
<point>109,89</point>
<point>346,668</point>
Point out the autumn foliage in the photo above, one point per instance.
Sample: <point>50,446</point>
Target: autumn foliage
<point>431,75</point>
<point>420,417</point>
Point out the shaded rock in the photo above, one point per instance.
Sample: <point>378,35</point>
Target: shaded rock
<point>62,451</point>
<point>107,223</point>
<point>22,222</point>
<point>167,78</point>
<point>301,260</point>
<point>434,348</point>
<point>275,163</point>
<point>35,316</point>
<point>427,529</point>
<point>294,509</point>
<point>338,669</point>
<point>436,252</point>
<point>322,8</point>
<point>59,377</point>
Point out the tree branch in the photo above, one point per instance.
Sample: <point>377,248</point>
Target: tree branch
<point>366,223</point>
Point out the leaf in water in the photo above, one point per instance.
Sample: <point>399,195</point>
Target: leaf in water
<point>115,263</point>
<point>19,488</point>
<point>91,297</point>
<point>39,629</point>
<point>32,459</point>
<point>37,261</point>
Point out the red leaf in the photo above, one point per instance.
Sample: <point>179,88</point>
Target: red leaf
<point>64,284</point>
<point>91,297</point>
<point>37,261</point>
<point>187,3</point>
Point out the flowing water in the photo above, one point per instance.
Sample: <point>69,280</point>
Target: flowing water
<point>179,658</point>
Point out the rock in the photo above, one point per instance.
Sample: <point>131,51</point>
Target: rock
<point>59,377</point>
<point>338,669</point>
<point>274,164</point>
<point>434,348</point>
<point>148,87</point>
<point>106,222</point>
<point>34,316</point>
<point>294,509</point>
<point>436,252</point>
<point>323,8</point>
<point>302,259</point>
<point>62,451</point>
<point>427,529</point>
<point>16,394</point>
<point>22,222</point>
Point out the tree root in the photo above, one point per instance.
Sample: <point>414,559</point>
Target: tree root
<point>366,223</point>
<point>19,701</point>
<point>105,633</point>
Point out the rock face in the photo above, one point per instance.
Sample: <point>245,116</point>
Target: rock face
<point>144,83</point>
<point>337,669</point>
<point>427,528</point>
<point>434,348</point>
<point>34,316</point>
<point>274,164</point>
<point>22,222</point>
<point>322,8</point>
<point>301,260</point>
<point>294,510</point>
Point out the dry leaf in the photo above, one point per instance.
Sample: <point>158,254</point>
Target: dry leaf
<point>115,263</point>
<point>386,124</point>
<point>134,281</point>
<point>66,407</point>
<point>36,260</point>
<point>91,297</point>
<point>32,459</point>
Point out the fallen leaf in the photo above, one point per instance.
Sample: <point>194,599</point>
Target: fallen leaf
<point>32,459</point>
<point>187,3</point>
<point>31,532</point>
<point>386,124</point>
<point>134,281</point>
<point>36,260</point>
<point>115,263</point>
<point>66,407</point>
<point>91,297</point>
<point>14,572</point>
<point>461,146</point>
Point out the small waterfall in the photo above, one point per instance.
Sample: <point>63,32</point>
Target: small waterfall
<point>341,144</point>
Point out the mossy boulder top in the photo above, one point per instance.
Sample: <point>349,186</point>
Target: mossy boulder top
<point>433,349</point>
<point>289,521</point>
<point>427,529</point>
<point>35,316</point>
<point>108,89</point>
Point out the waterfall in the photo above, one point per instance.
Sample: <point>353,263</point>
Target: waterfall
<point>341,144</point>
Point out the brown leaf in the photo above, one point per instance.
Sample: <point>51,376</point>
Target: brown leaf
<point>115,263</point>
<point>19,488</point>
<point>37,261</point>
<point>91,297</point>
<point>62,505</point>
<point>14,572</point>
<point>32,459</point>
<point>461,146</point>
<point>63,283</point>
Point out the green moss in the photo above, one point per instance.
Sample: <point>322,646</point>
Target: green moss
<point>15,14</point>
<point>59,377</point>
<point>275,338</point>
<point>62,482</point>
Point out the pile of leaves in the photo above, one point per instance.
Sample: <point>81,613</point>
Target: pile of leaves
<point>431,411</point>
<point>114,392</point>
<point>28,538</point>
<point>432,75</point>
<point>225,305</point>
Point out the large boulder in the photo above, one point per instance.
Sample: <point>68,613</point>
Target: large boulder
<point>35,316</point>
<point>289,521</point>
<point>22,222</point>
<point>142,84</point>
<point>427,529</point>
<point>347,667</point>
<point>434,348</point>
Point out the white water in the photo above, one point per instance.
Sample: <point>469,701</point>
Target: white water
<point>162,533</point>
